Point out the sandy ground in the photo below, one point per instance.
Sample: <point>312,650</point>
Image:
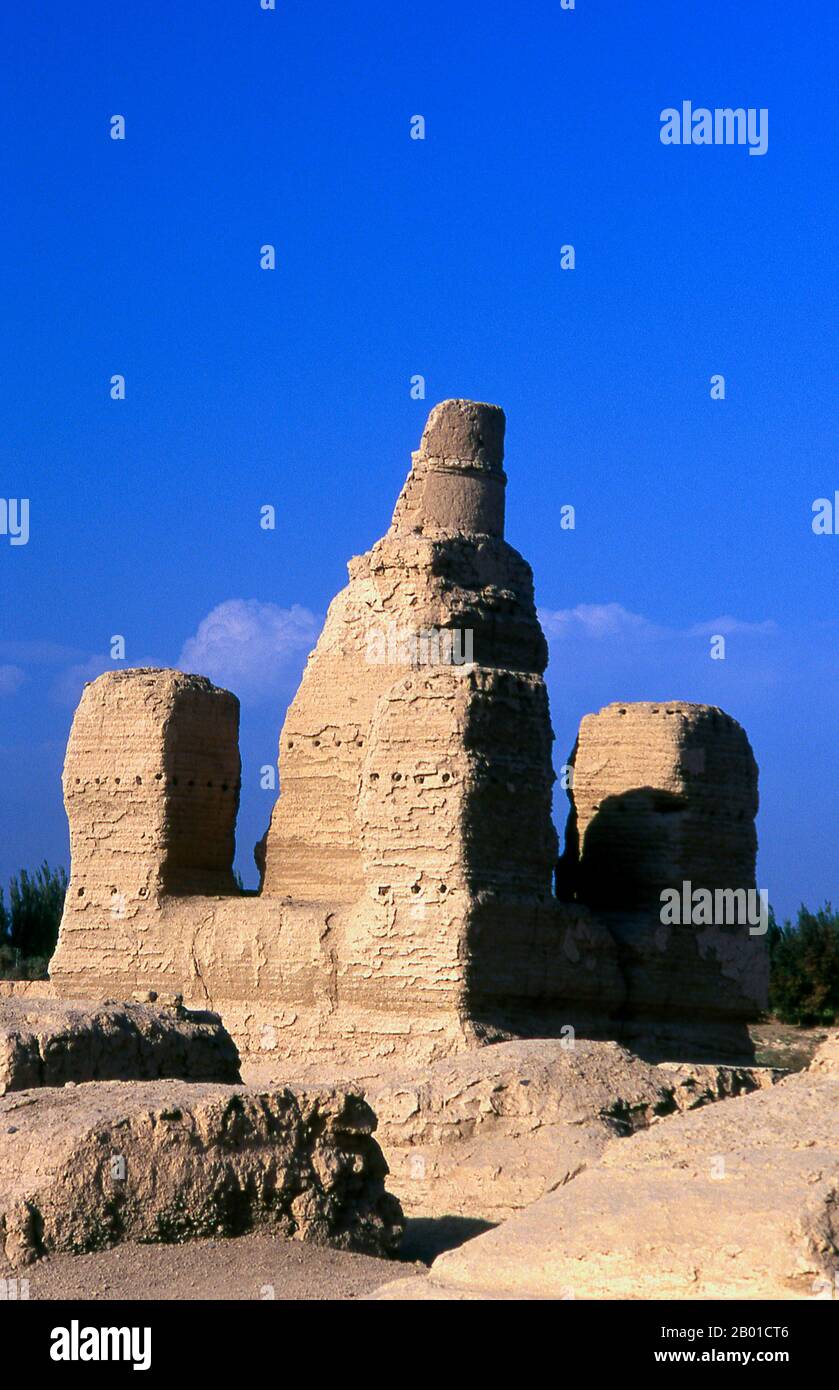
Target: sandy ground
<point>256,1266</point>
<point>250,1267</point>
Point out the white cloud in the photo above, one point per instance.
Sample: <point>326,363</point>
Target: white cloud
<point>595,620</point>
<point>254,649</point>
<point>726,625</point>
<point>11,679</point>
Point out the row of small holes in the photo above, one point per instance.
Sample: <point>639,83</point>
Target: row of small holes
<point>359,742</point>
<point>158,776</point>
<point>418,777</point>
<point>142,892</point>
<point>385,888</point>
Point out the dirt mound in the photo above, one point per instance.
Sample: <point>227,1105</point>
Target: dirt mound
<point>48,1042</point>
<point>83,1167</point>
<point>486,1133</point>
<point>739,1200</point>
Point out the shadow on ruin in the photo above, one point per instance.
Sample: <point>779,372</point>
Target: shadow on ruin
<point>411,905</point>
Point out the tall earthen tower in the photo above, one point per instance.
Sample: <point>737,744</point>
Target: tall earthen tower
<point>407,905</point>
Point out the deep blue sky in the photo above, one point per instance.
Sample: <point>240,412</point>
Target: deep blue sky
<point>440,257</point>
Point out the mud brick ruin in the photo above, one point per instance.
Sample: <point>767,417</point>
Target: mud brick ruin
<point>410,904</point>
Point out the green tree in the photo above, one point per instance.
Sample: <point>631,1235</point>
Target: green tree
<point>29,925</point>
<point>804,967</point>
